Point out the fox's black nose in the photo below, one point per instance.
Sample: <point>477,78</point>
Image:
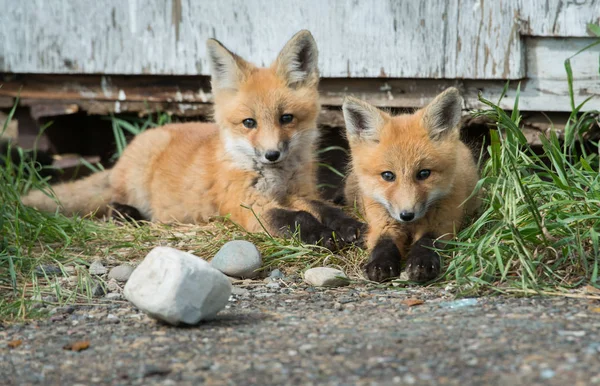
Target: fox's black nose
<point>407,216</point>
<point>272,155</point>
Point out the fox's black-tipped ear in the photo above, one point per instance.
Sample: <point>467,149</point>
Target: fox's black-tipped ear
<point>297,62</point>
<point>443,114</point>
<point>363,121</point>
<point>226,68</point>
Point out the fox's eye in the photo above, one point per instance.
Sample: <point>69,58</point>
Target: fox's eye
<point>249,123</point>
<point>423,174</point>
<point>388,176</point>
<point>286,118</point>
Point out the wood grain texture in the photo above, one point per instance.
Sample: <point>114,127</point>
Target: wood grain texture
<point>556,18</point>
<point>363,39</point>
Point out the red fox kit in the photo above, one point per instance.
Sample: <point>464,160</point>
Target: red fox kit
<point>259,154</point>
<point>410,178</point>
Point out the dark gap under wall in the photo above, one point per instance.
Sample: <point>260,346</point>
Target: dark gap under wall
<point>91,136</point>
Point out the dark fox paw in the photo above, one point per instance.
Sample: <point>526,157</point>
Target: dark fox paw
<point>122,212</point>
<point>318,235</point>
<point>384,263</point>
<point>423,264</point>
<point>349,230</point>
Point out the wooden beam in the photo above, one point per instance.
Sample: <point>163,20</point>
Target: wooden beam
<point>191,95</point>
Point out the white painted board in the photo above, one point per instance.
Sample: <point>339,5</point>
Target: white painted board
<point>372,38</point>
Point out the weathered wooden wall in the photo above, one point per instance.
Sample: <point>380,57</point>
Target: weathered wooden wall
<point>396,53</point>
<point>372,38</point>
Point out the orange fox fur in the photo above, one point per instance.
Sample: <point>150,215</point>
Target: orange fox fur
<point>259,154</point>
<point>410,177</point>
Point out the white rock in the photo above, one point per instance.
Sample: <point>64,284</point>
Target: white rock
<point>97,268</point>
<point>238,258</point>
<point>121,272</point>
<point>177,287</point>
<point>325,277</point>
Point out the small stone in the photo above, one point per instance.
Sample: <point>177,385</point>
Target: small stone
<point>98,290</point>
<point>263,295</point>
<point>47,270</point>
<point>238,258</point>
<point>273,285</point>
<point>460,303</point>
<point>112,319</point>
<point>177,287</point>
<point>326,277</point>
<point>114,296</point>
<point>61,310</point>
<point>547,373</point>
<point>237,291</point>
<point>53,311</point>
<point>337,306</point>
<point>276,274</point>
<point>121,273</point>
<point>97,268</point>
<point>113,286</point>
<point>150,370</point>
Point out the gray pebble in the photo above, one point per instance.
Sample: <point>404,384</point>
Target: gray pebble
<point>112,319</point>
<point>98,290</point>
<point>121,273</point>
<point>149,370</point>
<point>97,268</point>
<point>325,277</point>
<point>276,274</point>
<point>239,291</point>
<point>114,296</point>
<point>47,270</point>
<point>238,258</point>
<point>273,285</point>
<point>113,286</point>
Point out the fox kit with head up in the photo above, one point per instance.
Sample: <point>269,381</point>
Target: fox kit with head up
<point>410,177</point>
<point>259,154</point>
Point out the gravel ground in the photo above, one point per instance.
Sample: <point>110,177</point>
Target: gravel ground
<point>296,334</point>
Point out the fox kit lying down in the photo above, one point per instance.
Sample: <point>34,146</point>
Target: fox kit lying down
<point>259,154</point>
<point>411,177</point>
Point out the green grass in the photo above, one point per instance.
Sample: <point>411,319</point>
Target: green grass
<point>539,226</point>
<point>538,231</point>
<point>540,222</point>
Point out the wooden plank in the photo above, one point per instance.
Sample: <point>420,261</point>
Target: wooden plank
<point>357,39</point>
<point>181,96</point>
<point>558,17</point>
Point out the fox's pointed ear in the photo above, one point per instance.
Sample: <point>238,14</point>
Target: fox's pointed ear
<point>443,114</point>
<point>363,121</point>
<point>297,62</point>
<point>226,68</point>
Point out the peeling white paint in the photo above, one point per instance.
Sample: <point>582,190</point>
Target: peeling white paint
<point>122,95</point>
<point>106,85</point>
<point>117,107</point>
<point>202,95</point>
<point>472,39</point>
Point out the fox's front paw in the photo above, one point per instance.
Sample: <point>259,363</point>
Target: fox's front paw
<point>318,235</point>
<point>423,264</point>
<point>384,263</point>
<point>349,230</point>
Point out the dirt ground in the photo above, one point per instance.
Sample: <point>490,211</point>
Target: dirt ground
<point>289,333</point>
